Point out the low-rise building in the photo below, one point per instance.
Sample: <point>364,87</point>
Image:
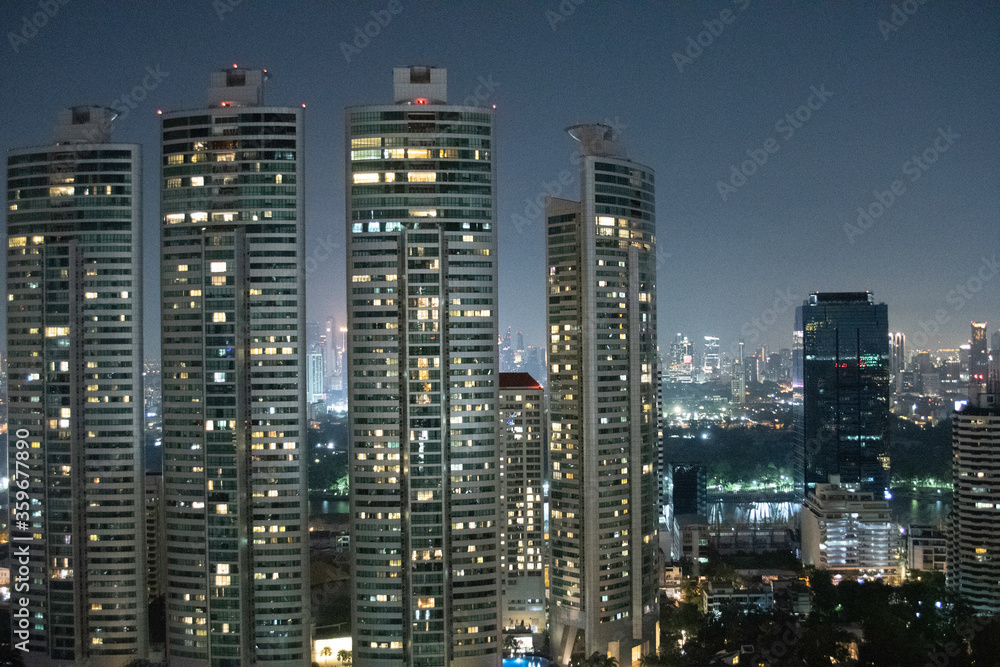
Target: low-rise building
<point>717,595</point>
<point>849,532</point>
<point>926,548</point>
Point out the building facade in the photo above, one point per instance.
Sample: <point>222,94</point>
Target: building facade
<point>522,441</point>
<point>849,532</point>
<point>979,361</point>
<point>234,379</point>
<point>974,546</point>
<point>843,425</point>
<point>926,548</point>
<point>421,374</point>
<point>602,395</point>
<point>74,337</point>
<point>156,573</point>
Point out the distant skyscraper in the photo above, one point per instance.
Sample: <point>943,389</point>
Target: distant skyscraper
<point>315,372</point>
<point>522,438</point>
<point>74,336</point>
<point>845,411</point>
<point>712,358</point>
<point>506,353</point>
<point>897,353</point>
<point>738,384</point>
<point>422,368</point>
<point>973,561</point>
<point>979,361</point>
<point>602,328</point>
<point>234,379</point>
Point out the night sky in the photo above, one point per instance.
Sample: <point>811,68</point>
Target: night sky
<point>865,98</point>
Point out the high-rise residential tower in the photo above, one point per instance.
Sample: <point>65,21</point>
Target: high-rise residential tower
<point>522,439</point>
<point>422,378</point>
<point>844,423</point>
<point>974,544</point>
<point>74,336</point>
<point>234,379</point>
<point>602,350</point>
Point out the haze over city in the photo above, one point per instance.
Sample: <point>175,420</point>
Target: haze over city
<point>690,103</point>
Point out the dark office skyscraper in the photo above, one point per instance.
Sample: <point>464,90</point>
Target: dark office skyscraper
<point>844,420</point>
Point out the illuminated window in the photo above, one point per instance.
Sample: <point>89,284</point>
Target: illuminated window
<point>366,142</point>
<point>367,154</point>
<point>199,216</point>
<point>218,317</point>
<point>174,218</point>
<point>418,153</point>
<point>17,241</point>
<point>197,181</point>
<point>422,176</point>
<point>390,177</point>
<point>173,182</point>
<point>217,267</point>
<point>366,177</point>
<point>424,213</point>
<point>175,159</point>
<point>225,157</point>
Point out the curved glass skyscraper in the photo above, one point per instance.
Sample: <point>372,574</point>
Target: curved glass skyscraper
<point>74,336</point>
<point>422,378</point>
<point>234,380</point>
<point>603,380</point>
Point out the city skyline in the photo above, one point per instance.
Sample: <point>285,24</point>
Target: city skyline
<point>871,121</point>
